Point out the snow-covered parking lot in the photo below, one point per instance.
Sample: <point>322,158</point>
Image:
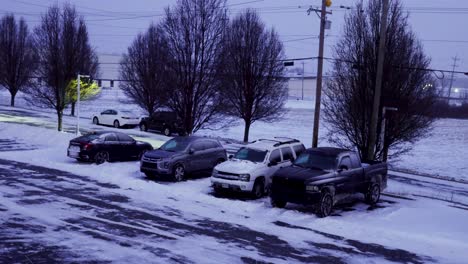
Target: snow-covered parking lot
<point>57,210</point>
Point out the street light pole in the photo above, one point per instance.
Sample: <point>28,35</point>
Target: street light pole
<point>378,82</point>
<point>318,91</point>
<point>78,86</point>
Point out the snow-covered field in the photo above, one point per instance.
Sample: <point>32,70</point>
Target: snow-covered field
<point>425,227</point>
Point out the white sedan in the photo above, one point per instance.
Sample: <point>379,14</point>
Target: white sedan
<point>116,118</point>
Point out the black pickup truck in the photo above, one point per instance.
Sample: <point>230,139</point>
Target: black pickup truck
<point>323,176</point>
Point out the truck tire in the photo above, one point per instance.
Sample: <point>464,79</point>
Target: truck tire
<point>259,188</point>
<point>325,206</point>
<point>277,203</point>
<point>373,194</point>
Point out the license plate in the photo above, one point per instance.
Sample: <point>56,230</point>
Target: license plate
<point>73,154</point>
<point>225,185</point>
<point>74,149</point>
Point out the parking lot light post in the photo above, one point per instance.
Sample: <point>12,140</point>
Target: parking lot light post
<point>78,103</point>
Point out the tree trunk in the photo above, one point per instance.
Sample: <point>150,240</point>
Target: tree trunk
<point>12,99</point>
<point>385,154</point>
<point>246,130</point>
<point>73,109</point>
<point>59,120</point>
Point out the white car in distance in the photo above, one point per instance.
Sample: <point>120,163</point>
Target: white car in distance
<point>251,168</point>
<point>116,118</point>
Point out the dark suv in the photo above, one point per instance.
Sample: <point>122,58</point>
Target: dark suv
<point>183,155</point>
<point>164,122</point>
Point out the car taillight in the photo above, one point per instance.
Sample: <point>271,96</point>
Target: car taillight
<point>88,146</point>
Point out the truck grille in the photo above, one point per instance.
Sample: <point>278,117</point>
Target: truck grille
<point>282,184</point>
<point>227,176</point>
<point>149,165</point>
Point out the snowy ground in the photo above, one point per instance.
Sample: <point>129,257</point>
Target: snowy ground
<point>442,153</point>
<point>57,210</point>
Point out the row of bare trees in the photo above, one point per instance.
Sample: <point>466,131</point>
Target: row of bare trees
<point>56,51</point>
<point>205,67</point>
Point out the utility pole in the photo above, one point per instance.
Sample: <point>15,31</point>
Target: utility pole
<point>78,86</point>
<point>455,60</point>
<point>378,82</point>
<point>318,91</point>
<point>302,80</point>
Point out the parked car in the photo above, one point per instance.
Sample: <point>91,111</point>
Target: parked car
<point>116,118</point>
<point>164,122</point>
<point>181,156</point>
<point>251,168</point>
<point>105,146</point>
<point>324,176</point>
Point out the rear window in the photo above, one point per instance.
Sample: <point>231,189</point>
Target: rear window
<point>125,138</point>
<point>111,137</point>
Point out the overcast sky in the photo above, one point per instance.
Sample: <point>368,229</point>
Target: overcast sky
<point>441,25</point>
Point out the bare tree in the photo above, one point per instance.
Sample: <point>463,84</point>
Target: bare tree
<point>64,51</point>
<point>144,70</point>
<point>17,58</point>
<point>349,94</point>
<point>195,30</point>
<point>254,87</point>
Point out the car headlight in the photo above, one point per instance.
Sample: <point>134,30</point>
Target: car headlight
<point>244,177</point>
<point>312,188</point>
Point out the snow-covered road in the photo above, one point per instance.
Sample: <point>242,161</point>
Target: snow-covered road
<point>54,216</point>
<point>54,209</point>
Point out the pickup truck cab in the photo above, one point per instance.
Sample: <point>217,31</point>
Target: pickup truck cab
<point>323,176</point>
<point>251,168</point>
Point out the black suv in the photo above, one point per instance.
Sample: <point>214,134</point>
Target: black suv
<point>183,155</point>
<point>164,122</point>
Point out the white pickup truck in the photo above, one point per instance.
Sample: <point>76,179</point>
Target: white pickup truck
<point>251,168</point>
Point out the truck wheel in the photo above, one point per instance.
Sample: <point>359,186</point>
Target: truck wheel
<point>373,194</point>
<point>325,205</point>
<point>258,188</point>
<point>277,203</point>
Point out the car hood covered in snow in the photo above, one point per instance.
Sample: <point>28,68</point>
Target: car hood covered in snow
<point>239,166</point>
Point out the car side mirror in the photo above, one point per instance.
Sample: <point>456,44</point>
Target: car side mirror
<point>191,151</point>
<point>231,156</point>
<point>272,163</point>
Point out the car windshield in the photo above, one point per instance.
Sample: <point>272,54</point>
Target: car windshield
<point>175,145</point>
<point>316,161</point>
<point>251,154</point>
